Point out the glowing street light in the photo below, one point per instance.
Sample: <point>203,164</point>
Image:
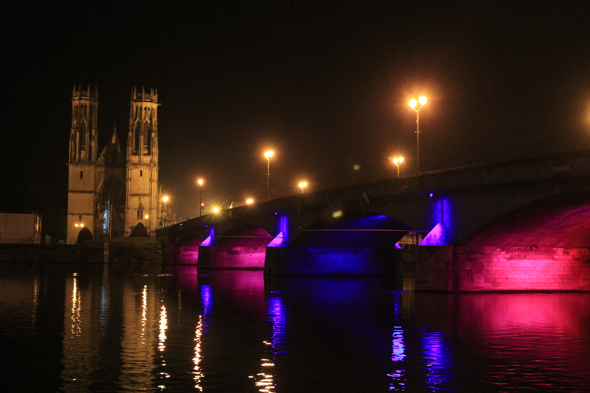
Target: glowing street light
<point>397,161</point>
<point>165,199</point>
<point>413,104</point>
<point>200,181</point>
<point>268,155</point>
<point>302,185</point>
<point>79,226</point>
<point>215,210</point>
<point>250,201</point>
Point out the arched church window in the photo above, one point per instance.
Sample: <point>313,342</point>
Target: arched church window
<point>136,138</point>
<point>83,137</point>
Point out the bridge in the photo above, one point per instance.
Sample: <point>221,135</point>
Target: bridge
<point>515,225</point>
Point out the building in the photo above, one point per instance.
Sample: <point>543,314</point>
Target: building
<point>20,228</point>
<point>112,192</point>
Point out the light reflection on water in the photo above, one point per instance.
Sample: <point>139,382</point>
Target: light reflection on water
<point>235,331</point>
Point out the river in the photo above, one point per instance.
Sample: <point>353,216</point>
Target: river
<point>70,329</point>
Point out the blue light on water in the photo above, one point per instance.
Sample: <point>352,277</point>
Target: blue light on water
<point>276,314</point>
<point>437,358</point>
<point>206,299</point>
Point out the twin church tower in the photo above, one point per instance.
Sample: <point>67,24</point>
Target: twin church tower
<point>111,192</point>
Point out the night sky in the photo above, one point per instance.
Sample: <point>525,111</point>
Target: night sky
<point>324,84</point>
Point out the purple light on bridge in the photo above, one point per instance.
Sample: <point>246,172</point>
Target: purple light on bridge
<point>277,241</point>
<point>209,240</point>
<point>282,238</point>
<point>438,236</point>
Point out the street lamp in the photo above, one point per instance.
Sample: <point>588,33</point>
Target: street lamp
<point>413,103</point>
<point>201,196</point>
<point>215,210</point>
<point>268,155</point>
<point>397,161</point>
<point>165,199</point>
<point>250,201</point>
<point>302,185</point>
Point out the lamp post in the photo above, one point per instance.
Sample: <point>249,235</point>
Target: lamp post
<point>422,100</point>
<point>268,155</point>
<point>200,196</point>
<point>397,161</point>
<point>165,199</point>
<point>303,184</point>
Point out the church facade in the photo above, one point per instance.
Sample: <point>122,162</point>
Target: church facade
<point>112,192</point>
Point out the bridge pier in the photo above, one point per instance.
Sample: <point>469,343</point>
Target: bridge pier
<point>295,261</point>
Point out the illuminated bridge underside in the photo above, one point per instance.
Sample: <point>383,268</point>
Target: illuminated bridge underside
<point>558,222</point>
<point>243,247</point>
<point>356,246</point>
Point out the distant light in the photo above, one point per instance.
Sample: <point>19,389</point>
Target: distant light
<point>268,154</point>
<point>202,204</point>
<point>200,182</point>
<point>413,103</point>
<point>215,209</point>
<point>146,216</point>
<point>250,201</point>
<point>76,225</point>
<point>422,100</point>
<point>165,199</point>
<point>302,185</point>
<point>276,213</point>
<point>356,167</point>
<point>337,213</point>
<point>431,195</point>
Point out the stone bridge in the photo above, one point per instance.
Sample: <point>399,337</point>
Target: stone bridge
<point>515,225</point>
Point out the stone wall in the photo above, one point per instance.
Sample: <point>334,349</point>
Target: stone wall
<point>461,268</point>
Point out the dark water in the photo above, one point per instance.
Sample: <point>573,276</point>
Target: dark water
<point>234,331</point>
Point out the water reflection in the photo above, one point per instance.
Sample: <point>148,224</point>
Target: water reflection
<point>438,365</point>
<point>231,331</point>
<point>264,380</point>
<point>398,352</point>
<point>200,330</point>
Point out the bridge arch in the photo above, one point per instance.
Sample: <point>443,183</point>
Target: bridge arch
<point>366,230</point>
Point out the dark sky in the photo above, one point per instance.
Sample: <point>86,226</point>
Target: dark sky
<point>324,84</point>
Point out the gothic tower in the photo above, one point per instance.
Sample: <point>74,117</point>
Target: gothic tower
<point>82,161</point>
<point>142,162</point>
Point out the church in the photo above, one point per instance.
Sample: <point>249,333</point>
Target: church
<point>111,192</point>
